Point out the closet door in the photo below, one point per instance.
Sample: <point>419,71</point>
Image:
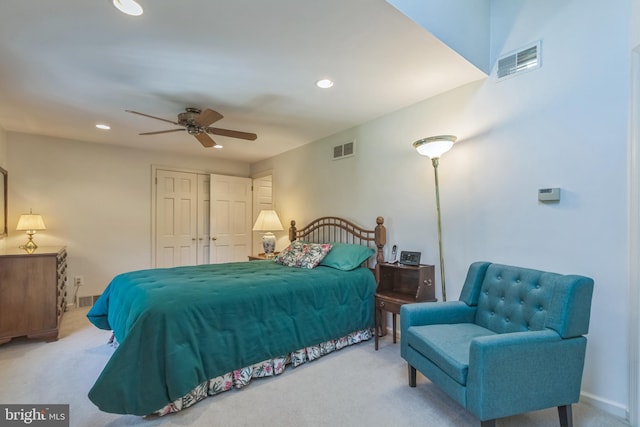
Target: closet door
<point>230,218</point>
<point>176,218</point>
<point>203,218</point>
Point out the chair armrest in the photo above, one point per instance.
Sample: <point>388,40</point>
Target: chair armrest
<point>431,313</point>
<point>520,372</point>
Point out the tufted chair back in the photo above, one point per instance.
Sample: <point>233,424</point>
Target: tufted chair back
<point>515,299</point>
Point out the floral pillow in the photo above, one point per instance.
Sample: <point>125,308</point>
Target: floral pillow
<point>303,255</point>
<point>312,254</point>
<point>289,255</point>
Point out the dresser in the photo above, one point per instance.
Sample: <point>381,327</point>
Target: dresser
<point>32,292</point>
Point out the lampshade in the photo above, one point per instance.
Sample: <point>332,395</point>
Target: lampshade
<point>434,146</point>
<point>30,221</point>
<point>268,221</point>
<point>130,7</point>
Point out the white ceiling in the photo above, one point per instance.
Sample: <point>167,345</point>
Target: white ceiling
<point>66,65</point>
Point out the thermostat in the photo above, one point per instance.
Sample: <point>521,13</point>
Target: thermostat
<point>549,194</point>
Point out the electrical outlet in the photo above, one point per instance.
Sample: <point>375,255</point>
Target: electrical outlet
<point>78,280</point>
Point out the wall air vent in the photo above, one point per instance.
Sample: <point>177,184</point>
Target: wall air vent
<point>87,301</point>
<point>525,59</point>
<point>347,149</point>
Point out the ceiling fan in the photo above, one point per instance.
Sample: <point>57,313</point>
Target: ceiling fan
<point>196,123</point>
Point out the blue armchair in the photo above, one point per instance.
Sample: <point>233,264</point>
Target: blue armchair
<point>513,343</point>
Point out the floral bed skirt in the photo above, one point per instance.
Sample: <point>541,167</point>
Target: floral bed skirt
<point>242,377</point>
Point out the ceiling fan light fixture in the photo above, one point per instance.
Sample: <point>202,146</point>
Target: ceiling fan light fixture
<point>324,83</point>
<point>130,7</point>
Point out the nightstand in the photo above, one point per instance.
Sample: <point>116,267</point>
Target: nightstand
<point>401,284</point>
<point>262,256</point>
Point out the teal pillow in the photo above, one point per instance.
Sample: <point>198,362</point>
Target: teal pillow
<point>344,256</point>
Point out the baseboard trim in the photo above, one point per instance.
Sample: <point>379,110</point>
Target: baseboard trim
<point>605,405</point>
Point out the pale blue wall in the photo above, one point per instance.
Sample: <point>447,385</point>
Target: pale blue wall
<point>462,25</point>
<point>564,125</point>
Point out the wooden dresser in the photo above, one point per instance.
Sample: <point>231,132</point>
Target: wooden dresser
<point>32,292</point>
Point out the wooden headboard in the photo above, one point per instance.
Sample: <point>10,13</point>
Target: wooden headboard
<point>334,229</point>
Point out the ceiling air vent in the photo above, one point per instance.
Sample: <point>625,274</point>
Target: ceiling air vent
<point>525,59</point>
<point>347,149</point>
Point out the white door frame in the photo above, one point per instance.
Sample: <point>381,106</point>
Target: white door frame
<point>634,240</point>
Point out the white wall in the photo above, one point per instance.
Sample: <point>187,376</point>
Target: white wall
<point>95,199</point>
<point>563,125</point>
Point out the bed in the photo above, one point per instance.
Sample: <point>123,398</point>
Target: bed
<point>185,333</point>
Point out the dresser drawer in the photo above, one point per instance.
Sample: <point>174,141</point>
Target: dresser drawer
<point>388,304</point>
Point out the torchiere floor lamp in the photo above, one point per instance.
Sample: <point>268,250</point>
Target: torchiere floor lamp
<point>434,147</point>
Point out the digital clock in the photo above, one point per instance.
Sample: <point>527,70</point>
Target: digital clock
<point>409,258</point>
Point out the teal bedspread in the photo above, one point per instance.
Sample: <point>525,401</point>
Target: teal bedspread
<point>181,326</point>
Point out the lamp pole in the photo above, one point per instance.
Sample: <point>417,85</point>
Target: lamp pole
<point>434,147</point>
<point>435,162</point>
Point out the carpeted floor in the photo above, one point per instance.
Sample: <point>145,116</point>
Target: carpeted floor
<point>356,386</point>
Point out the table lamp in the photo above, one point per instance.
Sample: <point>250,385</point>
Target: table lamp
<point>30,223</point>
<point>268,222</point>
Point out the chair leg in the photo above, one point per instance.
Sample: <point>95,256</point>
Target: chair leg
<point>412,376</point>
<point>488,423</point>
<point>566,416</point>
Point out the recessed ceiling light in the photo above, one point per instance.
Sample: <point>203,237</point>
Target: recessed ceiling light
<point>103,126</point>
<point>218,146</point>
<point>130,7</point>
<point>324,83</point>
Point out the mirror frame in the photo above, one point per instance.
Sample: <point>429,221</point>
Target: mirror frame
<point>4,189</point>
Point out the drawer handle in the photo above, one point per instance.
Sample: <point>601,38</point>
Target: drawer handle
<point>428,282</point>
<point>381,303</point>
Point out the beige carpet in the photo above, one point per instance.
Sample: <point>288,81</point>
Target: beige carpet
<point>356,386</point>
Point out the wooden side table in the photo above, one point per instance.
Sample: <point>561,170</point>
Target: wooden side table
<point>261,256</point>
<point>401,284</point>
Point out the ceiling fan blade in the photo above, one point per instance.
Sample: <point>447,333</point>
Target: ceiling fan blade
<point>161,131</point>
<point>152,117</point>
<point>232,133</point>
<point>205,140</point>
<point>207,117</point>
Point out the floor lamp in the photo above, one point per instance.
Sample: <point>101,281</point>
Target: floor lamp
<point>434,147</point>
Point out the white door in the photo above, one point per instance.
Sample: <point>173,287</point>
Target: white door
<point>230,218</point>
<point>262,200</point>
<point>176,218</point>
<point>204,191</point>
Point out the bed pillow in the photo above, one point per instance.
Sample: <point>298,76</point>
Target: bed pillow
<point>344,256</point>
<point>303,255</point>
<point>289,255</point>
<point>313,254</point>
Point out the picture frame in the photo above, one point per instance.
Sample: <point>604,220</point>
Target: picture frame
<point>4,211</point>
